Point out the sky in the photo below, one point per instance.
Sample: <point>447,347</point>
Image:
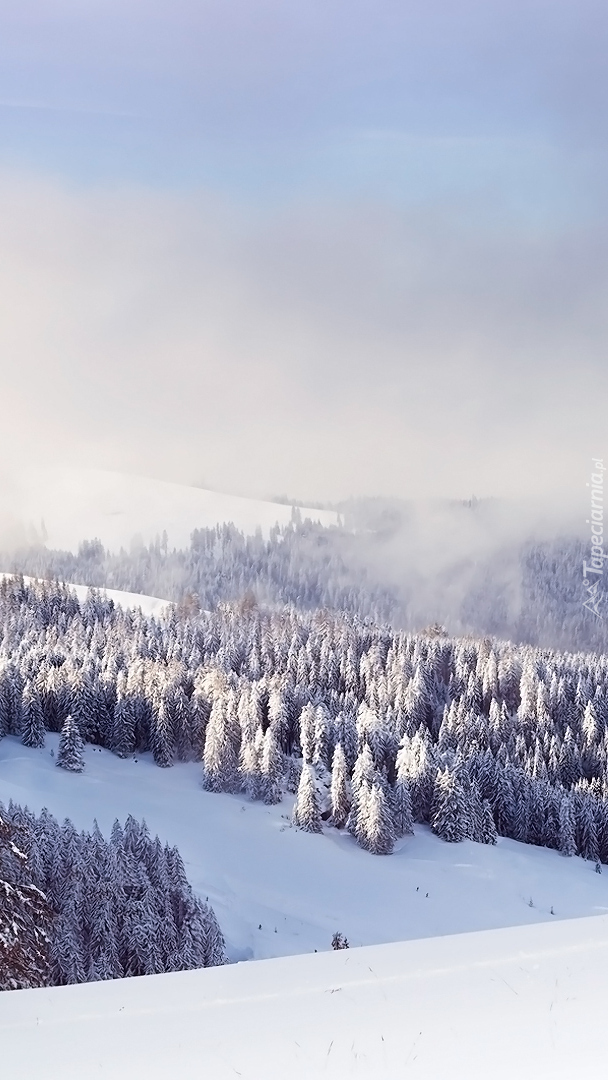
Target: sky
<point>314,248</point>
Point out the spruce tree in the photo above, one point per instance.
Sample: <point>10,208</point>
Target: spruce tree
<point>32,729</point>
<point>489,834</point>
<point>567,837</point>
<point>220,761</point>
<point>450,812</point>
<point>402,806</point>
<point>340,789</point>
<point>272,767</point>
<point>70,754</point>
<point>306,811</point>
<point>378,826</point>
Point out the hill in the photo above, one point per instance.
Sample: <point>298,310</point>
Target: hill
<point>525,1002</point>
<point>64,506</point>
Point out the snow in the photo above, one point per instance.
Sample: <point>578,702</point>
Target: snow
<point>279,891</point>
<point>528,1002</point>
<point>65,506</point>
<point>150,605</point>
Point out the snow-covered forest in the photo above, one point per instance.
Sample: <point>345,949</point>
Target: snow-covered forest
<point>84,909</point>
<point>528,592</point>
<point>374,729</point>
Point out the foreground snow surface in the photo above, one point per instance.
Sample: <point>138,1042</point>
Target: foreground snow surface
<point>278,891</point>
<point>65,506</point>
<point>523,1002</point>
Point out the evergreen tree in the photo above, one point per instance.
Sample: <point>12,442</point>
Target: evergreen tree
<point>567,837</point>
<point>307,811</point>
<point>219,759</point>
<point>272,768</point>
<point>489,834</point>
<point>378,826</point>
<point>33,729</point>
<point>340,789</point>
<point>403,818</point>
<point>450,811</point>
<point>25,918</point>
<point>70,754</point>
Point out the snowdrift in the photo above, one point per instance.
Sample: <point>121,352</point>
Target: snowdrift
<point>525,1002</point>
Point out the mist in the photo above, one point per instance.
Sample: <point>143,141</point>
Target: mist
<point>317,348</point>
<point>325,250</point>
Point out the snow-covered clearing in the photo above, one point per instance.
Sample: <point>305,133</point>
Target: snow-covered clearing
<point>278,891</point>
<point>150,605</point>
<point>65,506</point>
<point>523,1002</point>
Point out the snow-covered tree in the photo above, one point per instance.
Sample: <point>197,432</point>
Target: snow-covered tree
<point>450,813</point>
<point>378,823</point>
<point>307,811</point>
<point>340,789</point>
<point>70,753</point>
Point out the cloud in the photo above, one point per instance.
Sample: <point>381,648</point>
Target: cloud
<point>316,348</point>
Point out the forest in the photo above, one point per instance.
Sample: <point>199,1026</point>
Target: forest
<point>78,908</point>
<point>529,591</point>
<point>372,729</point>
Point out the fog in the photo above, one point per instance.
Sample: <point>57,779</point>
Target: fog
<point>315,249</point>
<point>321,350</point>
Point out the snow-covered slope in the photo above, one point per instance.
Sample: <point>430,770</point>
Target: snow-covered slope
<point>279,891</point>
<point>150,605</point>
<point>65,506</point>
<point>529,1002</point>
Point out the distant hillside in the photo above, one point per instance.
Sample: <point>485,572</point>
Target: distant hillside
<point>63,507</point>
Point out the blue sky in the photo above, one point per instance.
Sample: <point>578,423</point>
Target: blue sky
<point>376,210</point>
<point>384,98</point>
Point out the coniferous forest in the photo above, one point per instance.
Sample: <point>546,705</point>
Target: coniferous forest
<point>372,729</point>
<point>524,591</point>
<point>85,909</point>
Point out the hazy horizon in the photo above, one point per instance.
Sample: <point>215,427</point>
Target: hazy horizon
<point>322,250</point>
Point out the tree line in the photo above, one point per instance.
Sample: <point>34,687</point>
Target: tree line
<point>371,729</point>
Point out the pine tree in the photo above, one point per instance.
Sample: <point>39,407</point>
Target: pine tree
<point>220,761</point>
<point>33,729</point>
<point>402,806</point>
<point>378,824</point>
<point>364,775</point>
<point>306,811</point>
<point>586,830</point>
<point>70,754</point>
<point>25,919</point>
<point>250,769</point>
<point>272,768</point>
<point>450,812</point>
<point>340,789</point>
<point>489,834</point>
<point>567,838</point>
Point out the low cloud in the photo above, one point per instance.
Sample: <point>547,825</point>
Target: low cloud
<point>320,348</point>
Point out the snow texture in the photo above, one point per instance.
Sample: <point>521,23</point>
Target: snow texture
<point>528,1002</point>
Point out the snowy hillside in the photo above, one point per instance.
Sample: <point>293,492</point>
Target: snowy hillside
<point>65,506</point>
<point>150,605</point>
<point>278,891</point>
<point>521,1002</point>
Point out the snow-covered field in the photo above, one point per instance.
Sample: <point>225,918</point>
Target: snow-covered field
<point>527,1002</point>
<point>278,891</point>
<point>64,506</point>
